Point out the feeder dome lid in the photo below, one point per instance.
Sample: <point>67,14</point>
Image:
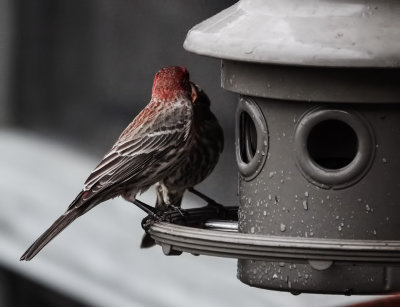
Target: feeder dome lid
<point>310,33</point>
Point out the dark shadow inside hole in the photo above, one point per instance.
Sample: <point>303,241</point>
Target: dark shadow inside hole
<point>247,137</point>
<point>332,144</point>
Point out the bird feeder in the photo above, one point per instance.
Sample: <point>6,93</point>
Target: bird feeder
<point>317,144</point>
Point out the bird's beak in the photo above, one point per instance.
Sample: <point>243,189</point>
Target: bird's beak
<point>194,93</point>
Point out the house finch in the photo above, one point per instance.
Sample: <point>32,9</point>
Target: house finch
<point>196,164</point>
<point>175,142</point>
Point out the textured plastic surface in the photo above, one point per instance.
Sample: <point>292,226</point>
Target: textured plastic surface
<point>357,201</point>
<point>327,84</point>
<point>313,33</point>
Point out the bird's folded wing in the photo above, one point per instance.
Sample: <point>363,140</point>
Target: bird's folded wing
<point>132,157</point>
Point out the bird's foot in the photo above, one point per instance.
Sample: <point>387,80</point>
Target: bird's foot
<point>154,215</point>
<point>147,222</point>
<point>151,211</point>
<point>181,211</point>
<point>158,216</point>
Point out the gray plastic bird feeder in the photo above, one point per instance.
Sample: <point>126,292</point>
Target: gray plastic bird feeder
<point>317,143</point>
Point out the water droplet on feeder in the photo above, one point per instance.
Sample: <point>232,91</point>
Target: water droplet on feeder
<point>252,229</point>
<point>340,228</point>
<point>305,204</point>
<point>320,265</point>
<point>384,160</point>
<point>281,264</point>
<point>374,232</point>
<point>283,227</point>
<point>274,276</point>
<point>271,174</point>
<point>306,194</point>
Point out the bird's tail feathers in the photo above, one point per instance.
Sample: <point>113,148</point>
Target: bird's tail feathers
<point>59,225</point>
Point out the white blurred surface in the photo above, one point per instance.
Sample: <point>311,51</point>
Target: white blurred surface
<point>97,259</point>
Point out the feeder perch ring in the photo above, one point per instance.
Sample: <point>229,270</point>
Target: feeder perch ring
<point>193,238</point>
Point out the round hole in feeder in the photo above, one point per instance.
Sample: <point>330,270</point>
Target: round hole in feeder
<point>335,148</point>
<point>332,144</point>
<point>248,137</point>
<point>251,138</point>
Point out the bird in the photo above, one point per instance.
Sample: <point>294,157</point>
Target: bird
<point>173,143</point>
<point>208,146</point>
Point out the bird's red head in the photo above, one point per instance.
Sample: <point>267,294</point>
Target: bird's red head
<point>171,81</point>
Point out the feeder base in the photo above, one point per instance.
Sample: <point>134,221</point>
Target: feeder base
<point>302,277</point>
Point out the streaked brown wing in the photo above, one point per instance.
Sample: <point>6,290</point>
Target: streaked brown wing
<point>131,156</point>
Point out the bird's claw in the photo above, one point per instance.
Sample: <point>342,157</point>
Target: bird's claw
<point>181,211</point>
<point>149,220</point>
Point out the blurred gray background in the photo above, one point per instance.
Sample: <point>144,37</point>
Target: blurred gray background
<point>73,74</point>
